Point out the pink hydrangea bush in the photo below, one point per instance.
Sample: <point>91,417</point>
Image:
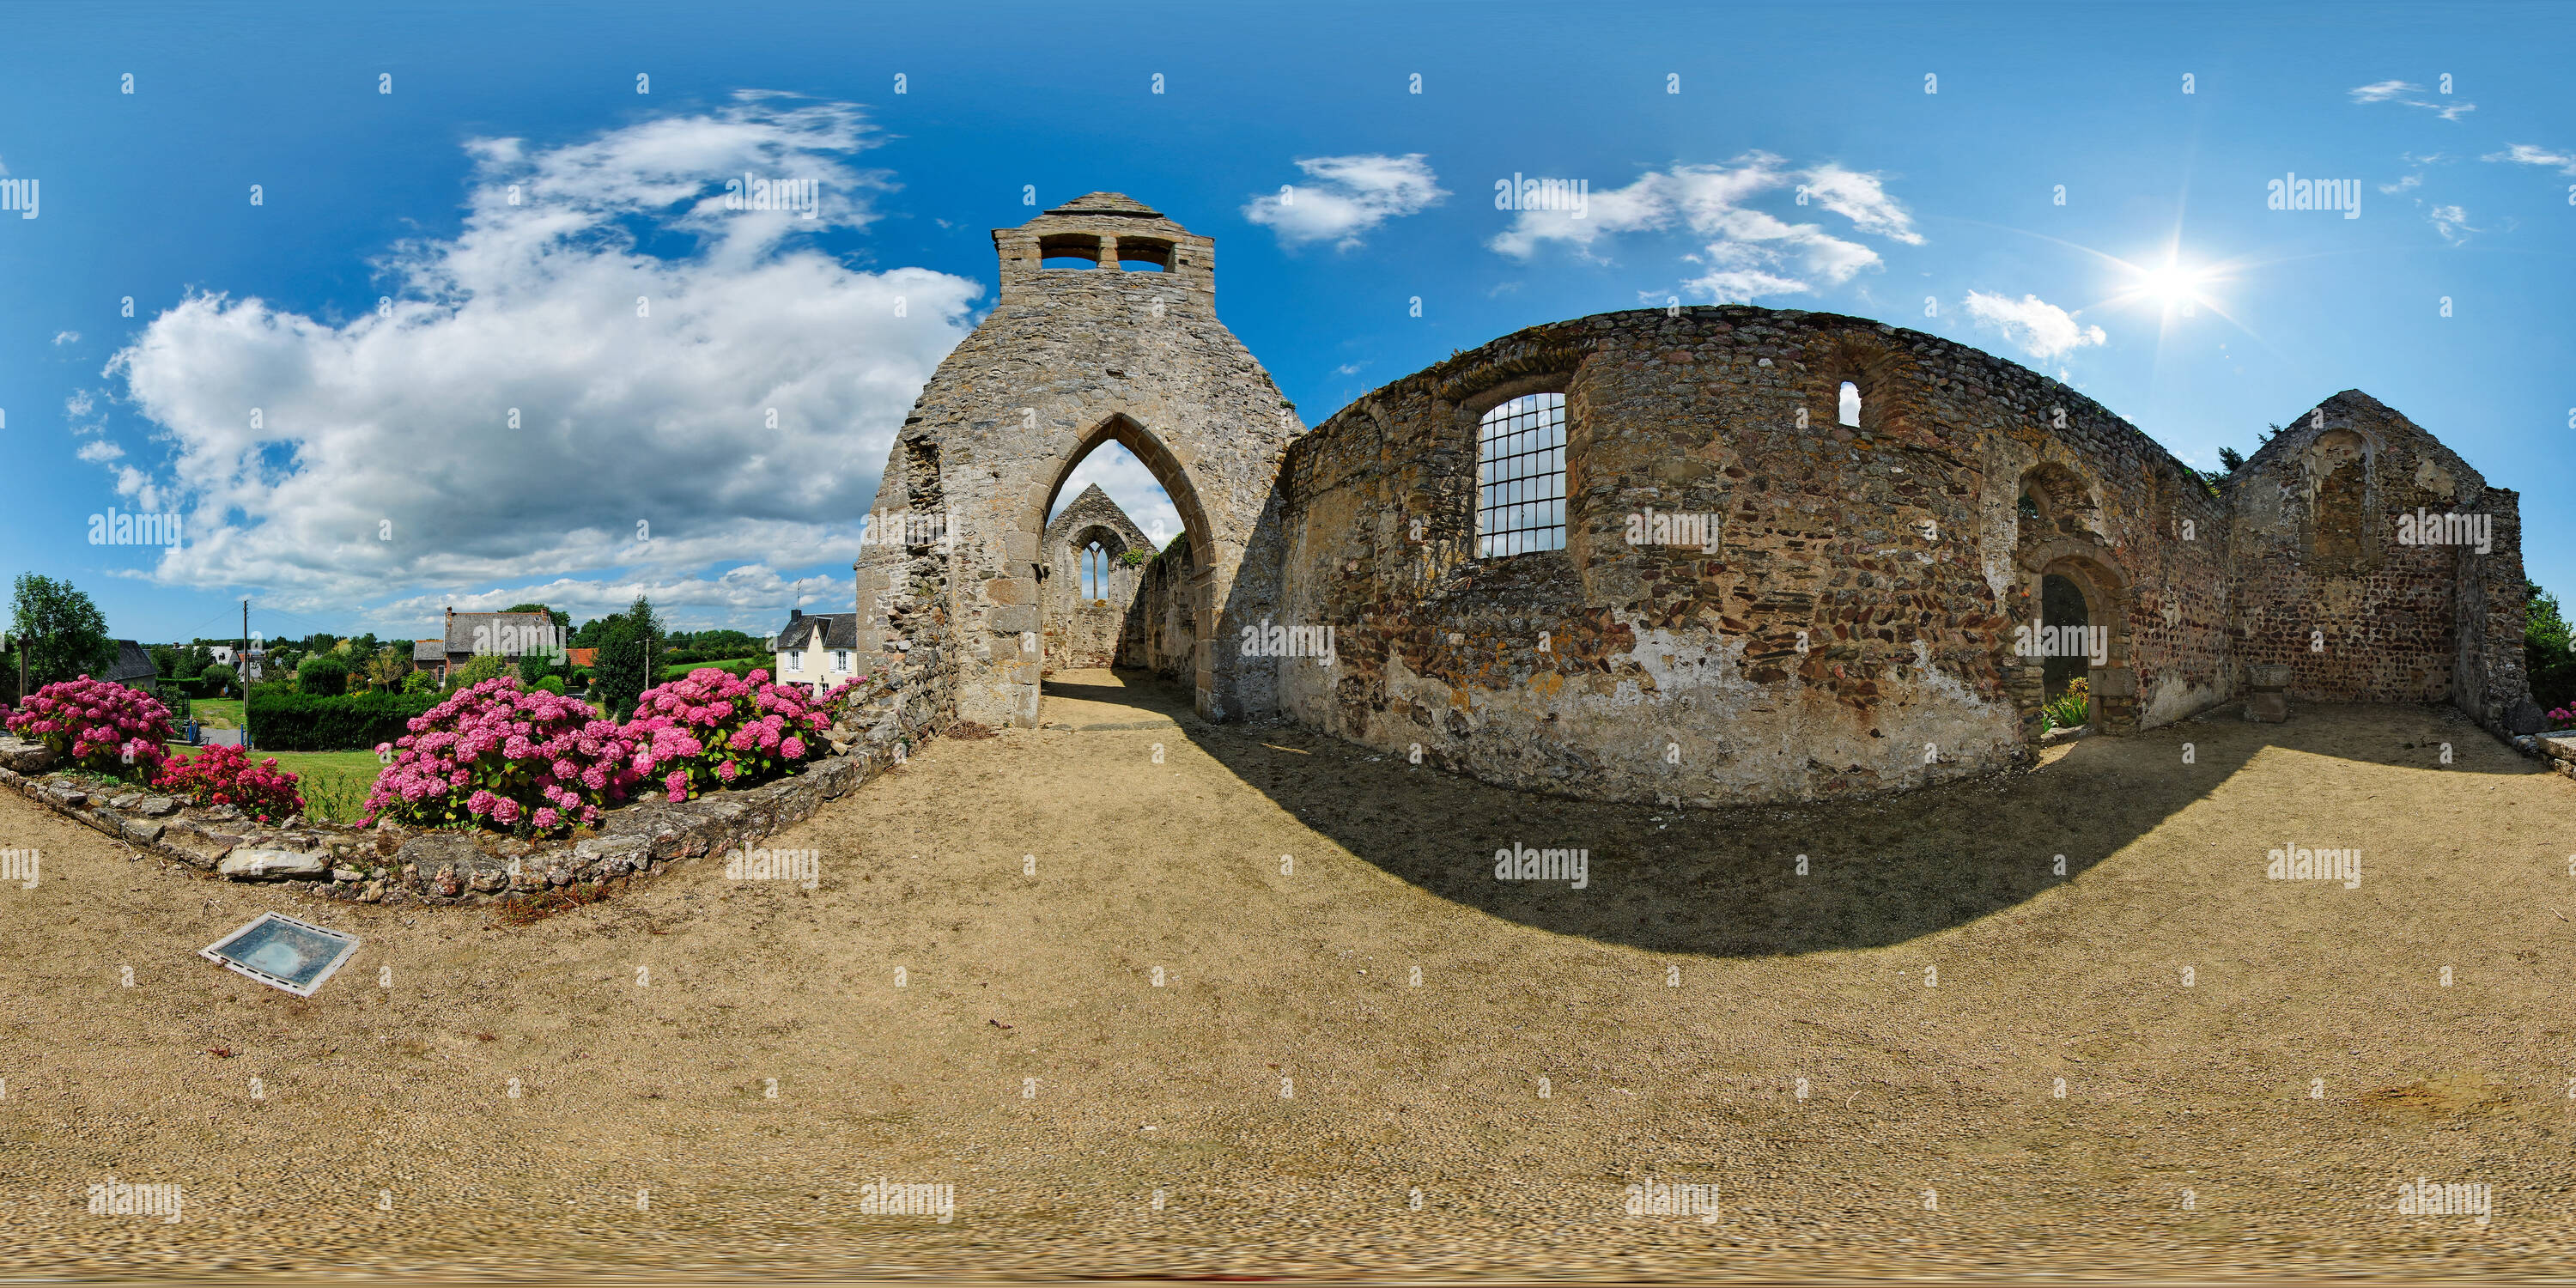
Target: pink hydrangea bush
<point>225,776</point>
<point>714,730</point>
<point>2564,717</point>
<point>504,756</point>
<point>100,727</point>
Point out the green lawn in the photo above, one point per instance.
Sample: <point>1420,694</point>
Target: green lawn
<point>740,666</point>
<point>218,713</point>
<point>334,783</point>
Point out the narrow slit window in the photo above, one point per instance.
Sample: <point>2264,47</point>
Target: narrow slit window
<point>1847,408</point>
<point>1520,477</point>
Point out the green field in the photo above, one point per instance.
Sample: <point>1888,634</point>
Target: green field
<point>218,713</point>
<point>738,666</point>
<point>334,783</point>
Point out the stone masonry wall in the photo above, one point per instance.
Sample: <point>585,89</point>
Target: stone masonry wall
<point>2330,589</point>
<point>1092,630</point>
<point>1069,359</point>
<point>1851,633</point>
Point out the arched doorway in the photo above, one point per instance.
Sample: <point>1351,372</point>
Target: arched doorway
<point>2073,626</point>
<point>1188,597</point>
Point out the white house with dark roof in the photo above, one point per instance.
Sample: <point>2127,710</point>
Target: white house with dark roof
<point>818,651</point>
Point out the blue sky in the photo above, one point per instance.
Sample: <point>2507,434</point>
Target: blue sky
<point>384,478</point>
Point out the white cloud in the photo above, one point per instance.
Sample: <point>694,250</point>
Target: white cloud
<point>2532,154</point>
<point>2397,91</point>
<point>1347,196</point>
<point>398,424</point>
<point>99,450</point>
<point>1748,252</point>
<point>2451,222</point>
<point>2410,181</point>
<point>2042,329</point>
<point>66,337</point>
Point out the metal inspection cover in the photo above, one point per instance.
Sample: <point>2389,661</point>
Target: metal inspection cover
<point>281,952</point>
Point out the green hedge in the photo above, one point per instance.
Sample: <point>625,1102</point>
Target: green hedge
<point>309,722</point>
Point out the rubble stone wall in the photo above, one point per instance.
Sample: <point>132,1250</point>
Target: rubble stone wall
<point>1853,626</point>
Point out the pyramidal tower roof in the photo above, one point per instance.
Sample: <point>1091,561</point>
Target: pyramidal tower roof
<point>1106,203</point>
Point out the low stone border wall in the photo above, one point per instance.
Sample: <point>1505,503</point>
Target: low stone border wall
<point>2558,750</point>
<point>396,865</point>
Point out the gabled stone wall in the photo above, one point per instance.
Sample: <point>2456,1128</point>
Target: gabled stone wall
<point>1071,358</point>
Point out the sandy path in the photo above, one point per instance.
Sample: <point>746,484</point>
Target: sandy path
<point>1288,1087</point>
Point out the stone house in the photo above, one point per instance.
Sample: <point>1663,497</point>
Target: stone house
<point>507,635</point>
<point>133,668</point>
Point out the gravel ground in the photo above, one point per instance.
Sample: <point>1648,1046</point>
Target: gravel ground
<point>935,1012</point>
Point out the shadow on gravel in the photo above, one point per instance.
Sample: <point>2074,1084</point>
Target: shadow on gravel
<point>1725,882</point>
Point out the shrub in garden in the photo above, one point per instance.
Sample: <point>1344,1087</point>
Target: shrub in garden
<point>225,776</point>
<point>323,675</point>
<point>552,684</point>
<point>100,727</point>
<point>712,730</point>
<point>2069,709</point>
<point>501,756</point>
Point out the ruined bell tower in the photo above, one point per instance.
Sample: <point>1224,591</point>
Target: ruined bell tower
<point>1106,329</point>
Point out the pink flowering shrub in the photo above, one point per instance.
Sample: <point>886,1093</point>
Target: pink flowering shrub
<point>225,776</point>
<point>714,730</point>
<point>503,756</point>
<point>100,727</point>
<point>2564,717</point>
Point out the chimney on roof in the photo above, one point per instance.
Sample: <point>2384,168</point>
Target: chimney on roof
<point>451,617</point>
<point>796,614</point>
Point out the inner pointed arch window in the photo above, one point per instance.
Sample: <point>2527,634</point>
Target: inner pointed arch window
<point>1095,571</point>
<point>1520,476</point>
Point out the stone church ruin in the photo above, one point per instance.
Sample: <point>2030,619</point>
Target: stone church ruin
<point>1709,555</point>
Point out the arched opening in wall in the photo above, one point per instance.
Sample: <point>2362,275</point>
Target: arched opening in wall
<point>1847,405</point>
<point>1069,250</point>
<point>1144,254</point>
<point>2338,473</point>
<point>2066,622</point>
<point>2051,501</point>
<point>1520,476</point>
<point>1123,571</point>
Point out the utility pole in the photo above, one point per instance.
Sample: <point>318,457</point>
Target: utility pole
<point>241,674</point>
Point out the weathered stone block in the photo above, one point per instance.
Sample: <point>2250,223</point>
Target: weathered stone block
<point>273,865</point>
